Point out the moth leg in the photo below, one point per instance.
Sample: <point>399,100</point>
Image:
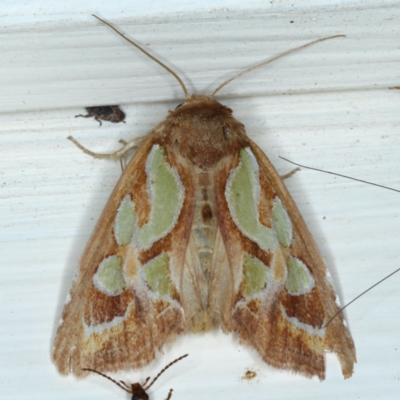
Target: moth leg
<point>118,154</point>
<point>169,394</point>
<point>122,163</point>
<point>137,140</point>
<point>122,160</point>
<point>124,142</point>
<point>289,174</point>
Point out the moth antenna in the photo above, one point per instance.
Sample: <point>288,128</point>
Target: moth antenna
<point>163,370</point>
<point>122,160</point>
<point>107,377</point>
<point>365,291</point>
<point>271,60</point>
<point>147,54</point>
<point>342,176</point>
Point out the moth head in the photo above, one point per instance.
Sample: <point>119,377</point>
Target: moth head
<point>198,104</point>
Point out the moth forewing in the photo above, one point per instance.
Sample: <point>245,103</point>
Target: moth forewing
<point>110,302</point>
<point>312,306</point>
<point>200,230</point>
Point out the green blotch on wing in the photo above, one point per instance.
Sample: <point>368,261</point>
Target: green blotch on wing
<point>125,221</point>
<point>242,194</point>
<point>299,280</point>
<point>158,275</point>
<point>281,223</point>
<point>166,194</point>
<point>109,278</point>
<point>255,275</point>
<point>166,198</point>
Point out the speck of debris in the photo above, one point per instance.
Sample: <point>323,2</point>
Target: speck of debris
<point>249,375</point>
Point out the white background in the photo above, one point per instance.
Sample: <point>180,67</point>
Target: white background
<point>328,107</point>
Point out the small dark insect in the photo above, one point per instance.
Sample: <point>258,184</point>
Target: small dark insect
<point>137,390</point>
<point>106,113</point>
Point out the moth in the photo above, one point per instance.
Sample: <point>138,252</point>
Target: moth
<point>105,113</point>
<point>200,231</point>
<point>137,390</point>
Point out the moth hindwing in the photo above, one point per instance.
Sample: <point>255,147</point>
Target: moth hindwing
<point>200,230</point>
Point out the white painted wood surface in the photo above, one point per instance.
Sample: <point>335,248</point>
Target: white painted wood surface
<point>328,106</point>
